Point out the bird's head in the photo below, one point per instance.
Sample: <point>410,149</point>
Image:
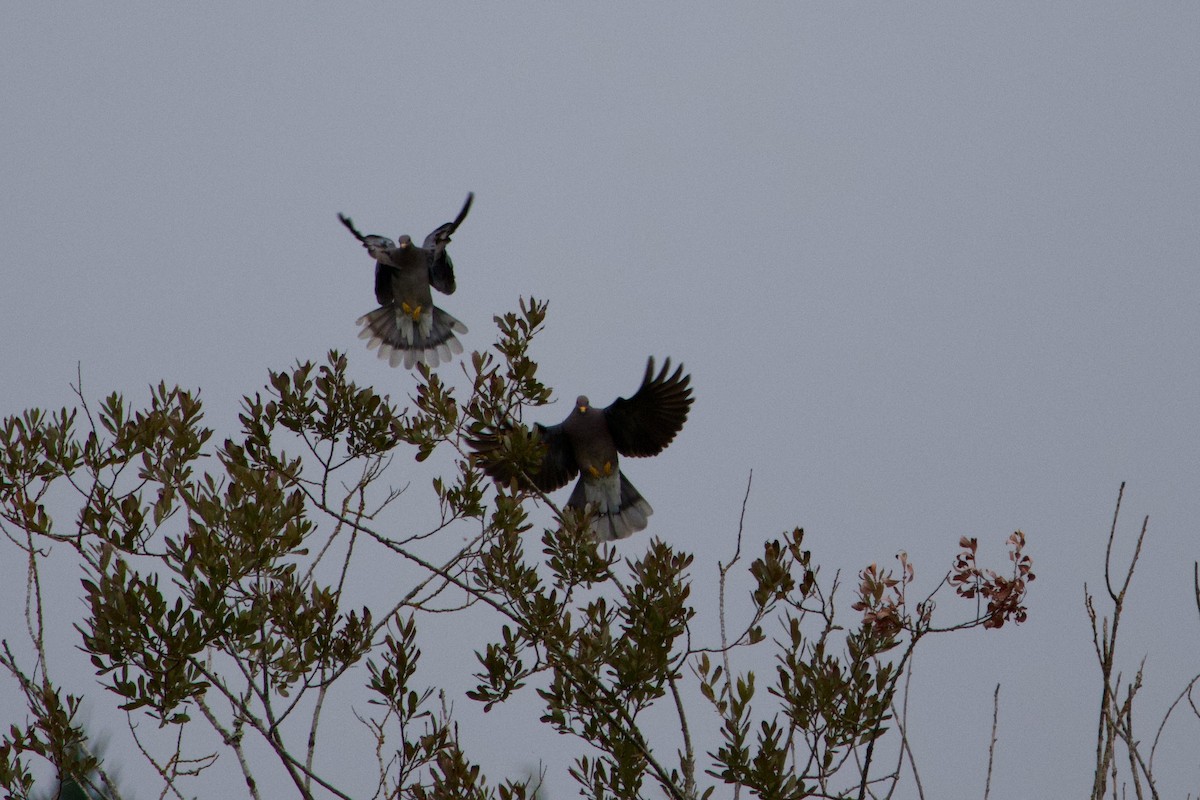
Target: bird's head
<point>377,245</point>
<point>581,404</point>
<point>405,242</point>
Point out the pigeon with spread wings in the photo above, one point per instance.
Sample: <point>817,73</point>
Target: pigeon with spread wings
<point>407,326</point>
<point>588,442</point>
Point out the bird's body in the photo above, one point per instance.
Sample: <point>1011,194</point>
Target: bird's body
<point>407,327</point>
<point>590,441</point>
<point>620,509</point>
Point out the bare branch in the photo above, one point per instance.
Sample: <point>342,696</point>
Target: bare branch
<point>987,786</point>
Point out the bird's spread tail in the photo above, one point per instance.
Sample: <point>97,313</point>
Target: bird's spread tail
<point>429,339</point>
<point>618,508</point>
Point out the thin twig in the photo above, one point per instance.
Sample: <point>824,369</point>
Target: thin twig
<point>1186,691</point>
<point>904,740</point>
<point>723,571</point>
<point>1116,718</point>
<point>901,718</point>
<point>312,731</point>
<point>987,787</point>
<point>688,767</point>
<point>168,777</point>
<point>233,740</point>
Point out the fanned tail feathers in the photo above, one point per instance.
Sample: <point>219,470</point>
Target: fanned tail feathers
<point>618,509</point>
<point>430,340</point>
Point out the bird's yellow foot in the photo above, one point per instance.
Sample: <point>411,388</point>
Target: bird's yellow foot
<point>415,313</point>
<point>601,472</point>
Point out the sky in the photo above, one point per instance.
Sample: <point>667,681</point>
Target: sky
<point>932,268</point>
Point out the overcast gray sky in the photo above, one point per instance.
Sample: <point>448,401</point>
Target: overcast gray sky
<point>933,268</point>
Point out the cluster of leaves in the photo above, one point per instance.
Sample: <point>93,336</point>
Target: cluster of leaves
<point>831,695</point>
<point>1005,595</point>
<point>55,735</point>
<point>218,586</point>
<point>606,662</point>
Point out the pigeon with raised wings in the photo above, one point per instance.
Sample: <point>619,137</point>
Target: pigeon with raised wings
<point>588,443</point>
<point>407,326</point>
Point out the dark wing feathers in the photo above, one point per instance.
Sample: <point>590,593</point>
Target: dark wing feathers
<point>441,268</point>
<point>383,284</point>
<point>350,225</point>
<point>644,424</point>
<point>383,273</point>
<point>558,464</point>
<point>502,459</point>
<point>441,272</point>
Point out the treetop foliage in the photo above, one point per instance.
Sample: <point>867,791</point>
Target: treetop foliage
<point>217,577</point>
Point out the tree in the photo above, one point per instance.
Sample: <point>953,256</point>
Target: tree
<point>218,582</point>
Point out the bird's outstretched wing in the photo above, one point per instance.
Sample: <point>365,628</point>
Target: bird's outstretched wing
<point>556,466</point>
<point>644,424</point>
<point>441,268</point>
<point>383,272</point>
<point>349,223</point>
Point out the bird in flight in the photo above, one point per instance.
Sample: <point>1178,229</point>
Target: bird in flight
<point>407,327</point>
<point>589,442</point>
